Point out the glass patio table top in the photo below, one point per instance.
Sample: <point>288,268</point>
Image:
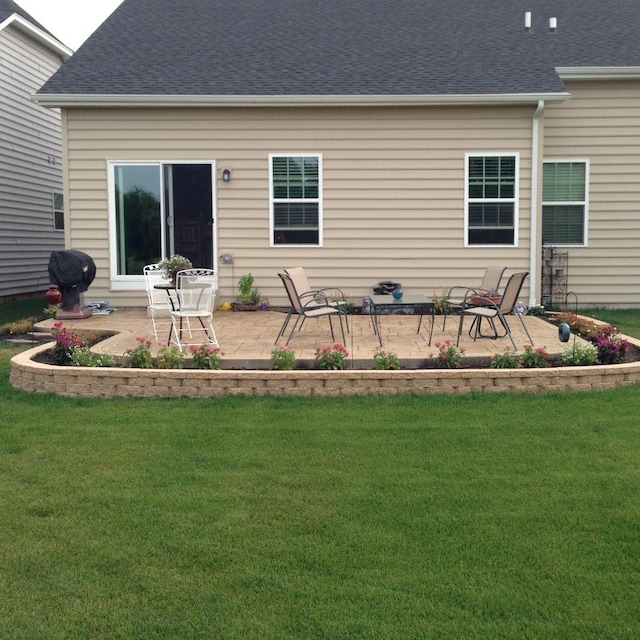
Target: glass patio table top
<point>421,305</point>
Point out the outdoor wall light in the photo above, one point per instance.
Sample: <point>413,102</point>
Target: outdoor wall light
<point>227,258</point>
<point>226,175</point>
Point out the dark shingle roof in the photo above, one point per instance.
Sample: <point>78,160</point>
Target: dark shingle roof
<point>347,47</point>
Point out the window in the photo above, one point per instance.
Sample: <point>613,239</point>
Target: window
<point>58,211</point>
<point>491,199</point>
<point>296,199</point>
<point>564,202</point>
<point>137,197</point>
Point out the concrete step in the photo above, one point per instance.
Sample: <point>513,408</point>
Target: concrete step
<point>33,337</point>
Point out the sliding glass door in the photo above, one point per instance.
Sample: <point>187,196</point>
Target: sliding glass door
<point>160,209</point>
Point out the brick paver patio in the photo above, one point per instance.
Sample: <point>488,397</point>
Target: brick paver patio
<point>247,338</point>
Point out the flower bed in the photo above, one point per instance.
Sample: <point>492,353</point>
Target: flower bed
<point>445,371</point>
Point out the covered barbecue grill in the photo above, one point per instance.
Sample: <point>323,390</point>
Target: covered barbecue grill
<point>72,271</point>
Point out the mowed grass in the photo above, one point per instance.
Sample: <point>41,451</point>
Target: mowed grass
<point>483,516</point>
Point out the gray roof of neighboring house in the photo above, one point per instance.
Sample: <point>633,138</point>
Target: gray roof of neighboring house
<point>9,7</point>
<point>347,47</point>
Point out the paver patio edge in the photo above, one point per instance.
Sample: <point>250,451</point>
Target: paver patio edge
<point>106,382</point>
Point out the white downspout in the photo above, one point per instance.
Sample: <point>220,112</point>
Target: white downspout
<point>535,180</point>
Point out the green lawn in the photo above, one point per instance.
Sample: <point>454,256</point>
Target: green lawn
<point>481,516</point>
<point>431,517</point>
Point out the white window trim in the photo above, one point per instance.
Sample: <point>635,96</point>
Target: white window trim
<point>54,192</point>
<point>320,199</point>
<point>515,200</point>
<point>137,283</point>
<point>587,173</point>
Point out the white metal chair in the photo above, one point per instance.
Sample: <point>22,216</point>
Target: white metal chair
<point>159,306</point>
<point>195,296</point>
<point>490,310</point>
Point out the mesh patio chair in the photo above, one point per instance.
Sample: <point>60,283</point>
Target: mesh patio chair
<point>490,310</point>
<point>195,296</point>
<point>331,295</point>
<point>308,305</point>
<point>488,288</point>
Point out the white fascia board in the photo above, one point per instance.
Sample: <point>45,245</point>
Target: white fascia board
<point>598,73</point>
<point>73,100</point>
<point>38,34</point>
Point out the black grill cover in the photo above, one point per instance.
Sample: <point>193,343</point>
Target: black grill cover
<point>73,272</point>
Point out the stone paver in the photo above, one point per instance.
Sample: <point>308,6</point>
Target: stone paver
<point>247,338</point>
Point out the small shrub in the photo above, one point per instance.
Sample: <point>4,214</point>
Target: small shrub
<point>140,357</point>
<point>106,360</point>
<point>449,356</point>
<point>51,310</point>
<point>170,358</point>
<point>206,357</point>
<point>537,310</point>
<point>507,360</point>
<point>385,360</point>
<point>588,329</point>
<point>282,359</point>
<point>82,357</point>
<point>17,328</point>
<point>441,302</point>
<point>579,355</point>
<point>66,342</point>
<point>612,347</point>
<point>569,317</point>
<point>331,358</point>
<point>534,358</point>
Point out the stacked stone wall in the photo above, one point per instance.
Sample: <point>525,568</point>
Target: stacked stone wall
<point>28,375</point>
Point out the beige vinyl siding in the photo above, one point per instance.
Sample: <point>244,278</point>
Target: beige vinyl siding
<point>601,123</point>
<point>30,165</point>
<point>393,188</point>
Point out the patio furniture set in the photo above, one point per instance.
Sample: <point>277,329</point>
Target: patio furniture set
<point>189,301</point>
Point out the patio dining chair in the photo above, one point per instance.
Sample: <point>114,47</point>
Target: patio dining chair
<point>488,288</point>
<point>333,295</point>
<point>308,305</point>
<point>490,310</point>
<point>195,296</point>
<point>159,306</point>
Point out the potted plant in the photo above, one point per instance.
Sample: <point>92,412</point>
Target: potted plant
<point>249,298</point>
<point>170,266</point>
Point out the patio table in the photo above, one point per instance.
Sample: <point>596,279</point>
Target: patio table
<point>168,287</point>
<point>409,304</point>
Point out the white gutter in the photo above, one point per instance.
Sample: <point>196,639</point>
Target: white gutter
<point>535,181</point>
<point>598,73</point>
<point>110,100</point>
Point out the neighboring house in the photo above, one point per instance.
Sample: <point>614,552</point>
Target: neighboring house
<point>417,141</point>
<point>31,193</point>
